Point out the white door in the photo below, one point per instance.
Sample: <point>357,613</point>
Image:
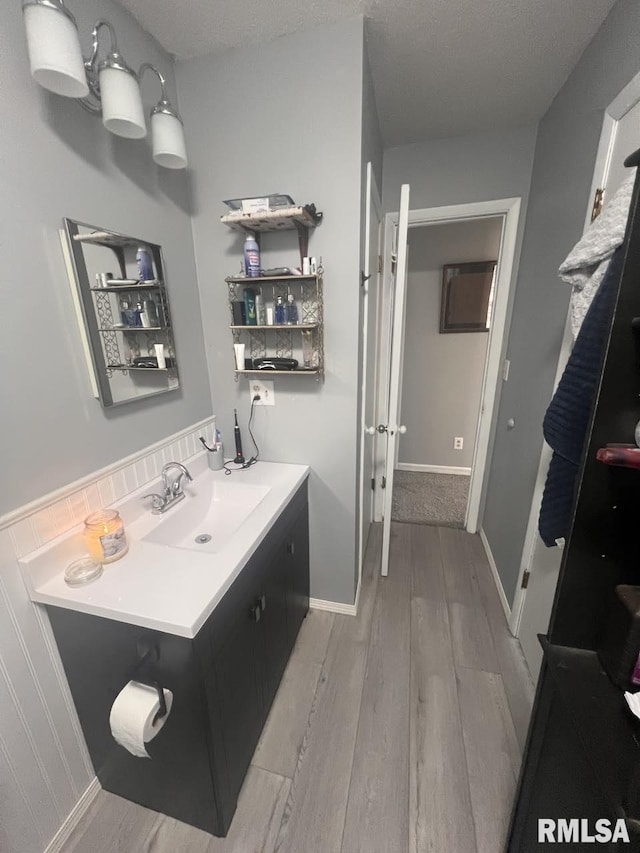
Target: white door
<point>626,142</point>
<point>533,602</point>
<point>369,291</point>
<point>391,429</point>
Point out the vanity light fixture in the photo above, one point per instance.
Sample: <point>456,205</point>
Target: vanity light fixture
<point>109,88</point>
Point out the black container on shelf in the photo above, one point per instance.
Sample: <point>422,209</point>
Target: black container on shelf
<point>238,313</point>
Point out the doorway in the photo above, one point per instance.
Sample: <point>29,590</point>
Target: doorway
<point>443,366</point>
<point>391,342</point>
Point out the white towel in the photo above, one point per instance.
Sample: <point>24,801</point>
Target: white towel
<point>587,263</point>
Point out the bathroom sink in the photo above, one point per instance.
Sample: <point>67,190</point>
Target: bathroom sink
<point>208,516</point>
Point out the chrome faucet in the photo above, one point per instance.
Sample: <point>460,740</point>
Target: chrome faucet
<point>172,488</point>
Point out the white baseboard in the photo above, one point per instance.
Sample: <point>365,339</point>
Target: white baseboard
<point>75,816</point>
<point>433,469</point>
<point>356,603</point>
<point>496,576</point>
<point>334,606</point>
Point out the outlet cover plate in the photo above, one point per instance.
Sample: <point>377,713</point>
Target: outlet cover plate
<point>265,390</point>
<point>458,442</point>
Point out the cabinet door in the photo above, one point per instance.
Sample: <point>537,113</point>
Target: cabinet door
<point>237,692</point>
<point>297,547</point>
<point>273,601</point>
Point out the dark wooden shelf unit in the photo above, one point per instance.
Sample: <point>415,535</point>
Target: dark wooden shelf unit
<point>582,758</point>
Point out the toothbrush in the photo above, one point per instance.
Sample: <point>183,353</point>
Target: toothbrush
<point>239,460</point>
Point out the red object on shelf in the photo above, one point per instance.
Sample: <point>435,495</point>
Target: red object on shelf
<point>621,455</point>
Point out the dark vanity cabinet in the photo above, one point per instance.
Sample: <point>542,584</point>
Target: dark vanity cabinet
<point>223,681</point>
<point>582,759</point>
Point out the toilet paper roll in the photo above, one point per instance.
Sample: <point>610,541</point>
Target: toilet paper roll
<point>132,716</point>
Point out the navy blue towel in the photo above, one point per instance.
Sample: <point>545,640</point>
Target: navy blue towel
<point>567,418</point>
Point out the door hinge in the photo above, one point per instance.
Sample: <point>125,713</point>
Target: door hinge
<point>383,484</point>
<point>525,580</point>
<point>373,484</point>
<point>598,200</point>
<point>379,263</point>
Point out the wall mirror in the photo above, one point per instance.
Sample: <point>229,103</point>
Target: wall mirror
<point>120,295</point>
<point>467,296</point>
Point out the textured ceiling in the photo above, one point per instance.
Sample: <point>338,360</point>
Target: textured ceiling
<point>440,67</point>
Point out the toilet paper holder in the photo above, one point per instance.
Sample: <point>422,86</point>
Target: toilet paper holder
<point>162,710</point>
<point>151,654</point>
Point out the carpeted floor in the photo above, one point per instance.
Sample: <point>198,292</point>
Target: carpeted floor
<point>425,498</point>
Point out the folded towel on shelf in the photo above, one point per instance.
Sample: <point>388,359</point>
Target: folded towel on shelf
<point>567,418</point>
<point>587,263</point>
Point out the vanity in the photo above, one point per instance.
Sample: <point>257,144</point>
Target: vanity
<point>212,621</point>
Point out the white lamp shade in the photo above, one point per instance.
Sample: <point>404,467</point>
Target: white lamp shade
<point>168,141</point>
<point>122,111</point>
<point>54,52</point>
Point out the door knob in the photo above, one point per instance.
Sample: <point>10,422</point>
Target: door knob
<point>382,428</point>
<point>402,429</point>
<point>370,430</point>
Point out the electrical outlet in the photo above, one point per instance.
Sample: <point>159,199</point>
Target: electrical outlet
<point>264,390</point>
<point>458,442</point>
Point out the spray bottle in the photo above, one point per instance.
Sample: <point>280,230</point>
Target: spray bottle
<point>251,257</point>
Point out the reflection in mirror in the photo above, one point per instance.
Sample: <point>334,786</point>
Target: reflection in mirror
<point>120,293</point>
<point>467,296</point>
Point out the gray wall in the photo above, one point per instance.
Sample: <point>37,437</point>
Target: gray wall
<point>563,168</point>
<point>480,167</point>
<point>287,117</point>
<point>371,139</point>
<point>442,373</point>
<point>58,161</point>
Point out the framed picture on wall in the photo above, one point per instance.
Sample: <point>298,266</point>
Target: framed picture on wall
<point>467,296</point>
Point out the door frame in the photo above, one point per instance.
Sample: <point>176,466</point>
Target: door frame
<point>371,194</point>
<point>626,100</point>
<point>509,210</point>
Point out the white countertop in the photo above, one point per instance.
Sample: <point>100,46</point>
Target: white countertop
<point>159,586</point>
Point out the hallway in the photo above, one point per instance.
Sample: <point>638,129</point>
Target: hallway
<point>396,731</point>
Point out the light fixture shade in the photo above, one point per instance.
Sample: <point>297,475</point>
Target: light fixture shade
<point>168,141</point>
<point>122,111</point>
<point>54,51</point>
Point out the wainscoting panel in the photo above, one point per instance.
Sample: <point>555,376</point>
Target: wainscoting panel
<point>44,764</point>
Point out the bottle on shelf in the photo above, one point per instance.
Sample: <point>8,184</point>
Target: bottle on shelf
<point>291,311</point>
<point>261,314</point>
<point>249,295</point>
<point>127,313</point>
<point>307,348</point>
<point>138,314</point>
<point>251,257</point>
<point>145,264</point>
<point>151,310</point>
<point>279,312</point>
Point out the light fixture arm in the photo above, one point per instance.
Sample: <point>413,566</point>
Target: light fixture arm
<point>92,66</point>
<point>91,62</point>
<point>164,104</point>
<point>147,66</point>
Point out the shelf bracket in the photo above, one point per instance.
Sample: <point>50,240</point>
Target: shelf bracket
<point>303,240</point>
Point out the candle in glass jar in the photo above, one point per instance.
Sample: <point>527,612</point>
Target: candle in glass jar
<point>105,536</point>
